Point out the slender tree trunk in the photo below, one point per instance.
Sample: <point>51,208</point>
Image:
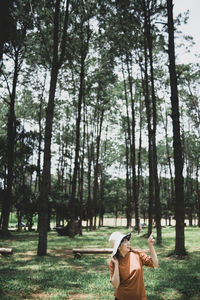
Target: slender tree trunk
<point>133,156</point>
<point>84,52</point>
<point>43,218</point>
<point>96,169</point>
<point>155,169</point>
<point>178,155</point>
<point>140,148</point>
<point>46,178</point>
<point>38,181</point>
<point>188,181</point>
<point>102,184</point>
<point>127,143</point>
<point>150,146</point>
<point>82,176</point>
<point>11,133</point>
<point>197,192</point>
<point>89,200</point>
<point>70,171</point>
<point>101,198</point>
<point>77,148</point>
<point>128,196</point>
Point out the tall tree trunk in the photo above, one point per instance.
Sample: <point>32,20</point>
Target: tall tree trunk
<point>133,156</point>
<point>127,143</point>
<point>150,146</point>
<point>77,147</point>
<point>178,155</point>
<point>96,167</point>
<point>89,199</point>
<point>128,196</point>
<point>46,177</point>
<point>38,180</point>
<point>188,181</point>
<point>43,217</point>
<point>11,133</point>
<point>155,169</point>
<point>197,194</point>
<point>102,184</point>
<point>83,53</point>
<point>82,173</point>
<point>140,147</point>
<point>101,198</point>
<point>6,23</point>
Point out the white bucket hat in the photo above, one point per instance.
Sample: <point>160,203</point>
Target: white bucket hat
<point>116,238</point>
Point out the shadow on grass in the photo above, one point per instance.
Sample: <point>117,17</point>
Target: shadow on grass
<point>51,275</point>
<point>175,279</point>
<point>58,275</point>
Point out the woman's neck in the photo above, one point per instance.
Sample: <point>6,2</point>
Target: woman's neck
<point>123,254</point>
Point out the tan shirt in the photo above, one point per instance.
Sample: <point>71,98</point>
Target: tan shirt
<point>131,275</point>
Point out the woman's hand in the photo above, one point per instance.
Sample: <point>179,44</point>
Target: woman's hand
<point>114,260</point>
<point>115,278</point>
<point>152,250</point>
<point>151,240</point>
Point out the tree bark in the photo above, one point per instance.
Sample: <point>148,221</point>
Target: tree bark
<point>150,146</point>
<point>77,148</point>
<point>96,168</point>
<point>127,143</point>
<point>154,149</point>
<point>45,184</point>
<point>89,200</point>
<point>11,133</point>
<point>197,194</point>
<point>140,148</point>
<point>133,156</point>
<point>128,188</point>
<point>81,183</point>
<point>6,23</point>
<point>38,179</point>
<point>101,196</point>
<point>83,53</point>
<point>43,217</point>
<point>178,155</point>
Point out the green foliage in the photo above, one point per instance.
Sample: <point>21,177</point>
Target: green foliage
<point>115,196</point>
<point>59,202</point>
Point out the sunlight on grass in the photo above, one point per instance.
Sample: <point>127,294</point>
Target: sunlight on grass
<point>59,275</point>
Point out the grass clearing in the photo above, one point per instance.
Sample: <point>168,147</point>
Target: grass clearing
<point>59,276</point>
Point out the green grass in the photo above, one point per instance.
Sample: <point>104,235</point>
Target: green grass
<point>59,275</point>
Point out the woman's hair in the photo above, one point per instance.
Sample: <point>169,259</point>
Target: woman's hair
<point>117,255</point>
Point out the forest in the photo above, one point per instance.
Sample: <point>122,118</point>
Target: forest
<point>97,117</point>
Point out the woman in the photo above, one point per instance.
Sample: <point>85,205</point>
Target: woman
<point>126,272</point>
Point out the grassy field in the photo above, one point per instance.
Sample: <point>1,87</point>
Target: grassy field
<point>60,276</point>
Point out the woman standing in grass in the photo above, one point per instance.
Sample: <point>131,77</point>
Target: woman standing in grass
<point>126,267</point>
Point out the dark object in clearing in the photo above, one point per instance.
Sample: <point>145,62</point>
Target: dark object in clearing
<point>22,224</point>
<point>71,229</point>
<point>6,251</point>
